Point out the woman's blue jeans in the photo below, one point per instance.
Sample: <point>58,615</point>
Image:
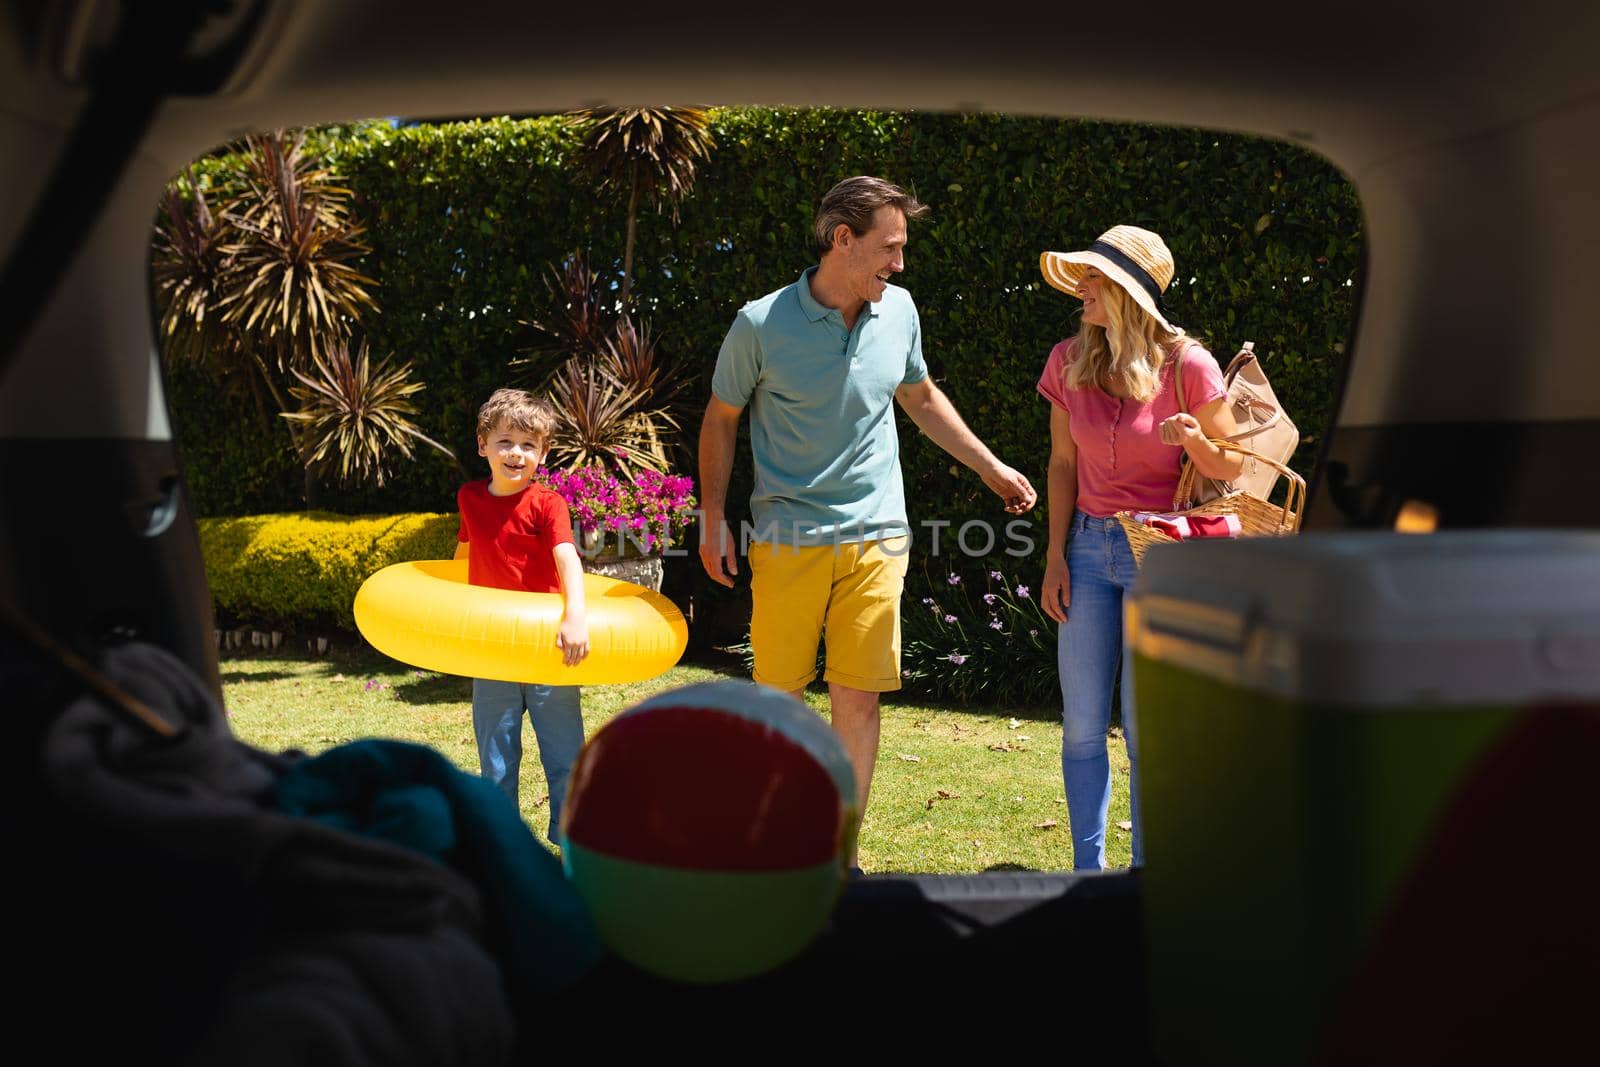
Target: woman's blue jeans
<point>1101,569</point>
<point>557,717</point>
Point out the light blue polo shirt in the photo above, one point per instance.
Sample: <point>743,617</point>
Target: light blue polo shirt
<point>821,399</point>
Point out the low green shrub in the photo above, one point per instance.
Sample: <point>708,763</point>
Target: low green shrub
<point>304,568</point>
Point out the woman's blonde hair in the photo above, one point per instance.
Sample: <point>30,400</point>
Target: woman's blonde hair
<point>1127,354</point>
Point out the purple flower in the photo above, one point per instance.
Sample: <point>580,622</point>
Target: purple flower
<point>1033,633</point>
<point>954,579</point>
<point>372,683</point>
<point>927,600</point>
<point>949,618</point>
<point>995,624</point>
<point>957,658</point>
<point>989,599</point>
<point>997,576</point>
<point>1022,591</point>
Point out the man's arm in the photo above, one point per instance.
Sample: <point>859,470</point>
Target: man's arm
<point>719,432</point>
<point>935,416</point>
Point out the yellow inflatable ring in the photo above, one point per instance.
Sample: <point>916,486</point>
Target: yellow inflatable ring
<point>424,613</point>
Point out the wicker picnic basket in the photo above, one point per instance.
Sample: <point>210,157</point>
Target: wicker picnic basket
<point>1257,517</point>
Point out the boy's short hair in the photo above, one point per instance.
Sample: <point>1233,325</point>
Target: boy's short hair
<point>521,410</point>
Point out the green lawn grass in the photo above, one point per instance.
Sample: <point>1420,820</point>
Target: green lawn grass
<point>956,789</point>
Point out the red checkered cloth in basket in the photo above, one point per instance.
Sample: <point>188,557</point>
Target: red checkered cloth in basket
<point>1187,527</point>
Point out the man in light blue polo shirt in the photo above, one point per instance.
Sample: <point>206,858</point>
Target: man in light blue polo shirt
<point>820,364</point>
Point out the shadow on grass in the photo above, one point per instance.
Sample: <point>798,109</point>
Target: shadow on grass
<point>735,665</point>
<point>433,689</point>
<point>735,670</point>
<point>235,677</point>
<point>355,661</point>
<point>718,661</point>
<point>1029,713</point>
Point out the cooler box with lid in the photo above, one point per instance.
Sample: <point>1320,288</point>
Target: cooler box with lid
<point>1368,764</point>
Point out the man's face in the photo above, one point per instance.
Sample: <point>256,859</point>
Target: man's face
<point>876,256</point>
<point>513,457</point>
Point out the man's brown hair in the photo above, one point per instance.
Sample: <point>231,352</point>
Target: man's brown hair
<point>854,201</point>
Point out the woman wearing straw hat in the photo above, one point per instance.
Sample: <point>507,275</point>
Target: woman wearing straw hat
<point>1117,436</point>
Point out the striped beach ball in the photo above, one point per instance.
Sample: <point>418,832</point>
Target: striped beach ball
<point>708,828</point>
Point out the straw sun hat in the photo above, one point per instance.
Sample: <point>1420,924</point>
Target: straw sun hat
<point>1135,259</point>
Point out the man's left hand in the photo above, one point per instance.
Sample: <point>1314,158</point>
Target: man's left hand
<point>1011,487</point>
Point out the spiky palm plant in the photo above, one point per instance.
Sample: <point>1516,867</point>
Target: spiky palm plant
<point>263,284</point>
<point>290,277</point>
<point>186,265</point>
<point>629,357</point>
<point>577,323</point>
<point>652,151</point>
<point>609,388</point>
<point>189,272</point>
<point>601,419</point>
<point>354,415</point>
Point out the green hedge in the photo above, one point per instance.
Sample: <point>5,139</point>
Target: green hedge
<point>464,217</point>
<point>304,568</point>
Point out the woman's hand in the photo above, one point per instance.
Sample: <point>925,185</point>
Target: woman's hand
<point>1055,592</point>
<point>1182,429</point>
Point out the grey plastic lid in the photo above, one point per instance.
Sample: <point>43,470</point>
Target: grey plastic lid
<point>1459,617</point>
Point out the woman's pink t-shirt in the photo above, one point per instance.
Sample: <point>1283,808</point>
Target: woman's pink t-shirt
<point>1122,464</point>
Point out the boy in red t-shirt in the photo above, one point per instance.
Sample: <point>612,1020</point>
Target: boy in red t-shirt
<point>517,534</point>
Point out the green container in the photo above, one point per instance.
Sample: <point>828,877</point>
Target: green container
<point>1307,708</point>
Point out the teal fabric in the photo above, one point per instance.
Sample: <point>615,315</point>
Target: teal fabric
<point>822,424</point>
<point>537,926</point>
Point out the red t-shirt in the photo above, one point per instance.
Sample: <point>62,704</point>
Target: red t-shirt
<point>511,539</point>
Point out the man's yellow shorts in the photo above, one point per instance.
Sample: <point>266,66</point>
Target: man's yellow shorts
<point>849,593</point>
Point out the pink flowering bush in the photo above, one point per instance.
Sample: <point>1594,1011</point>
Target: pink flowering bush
<point>650,511</point>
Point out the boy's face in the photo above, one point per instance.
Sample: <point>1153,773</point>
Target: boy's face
<point>513,456</point>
